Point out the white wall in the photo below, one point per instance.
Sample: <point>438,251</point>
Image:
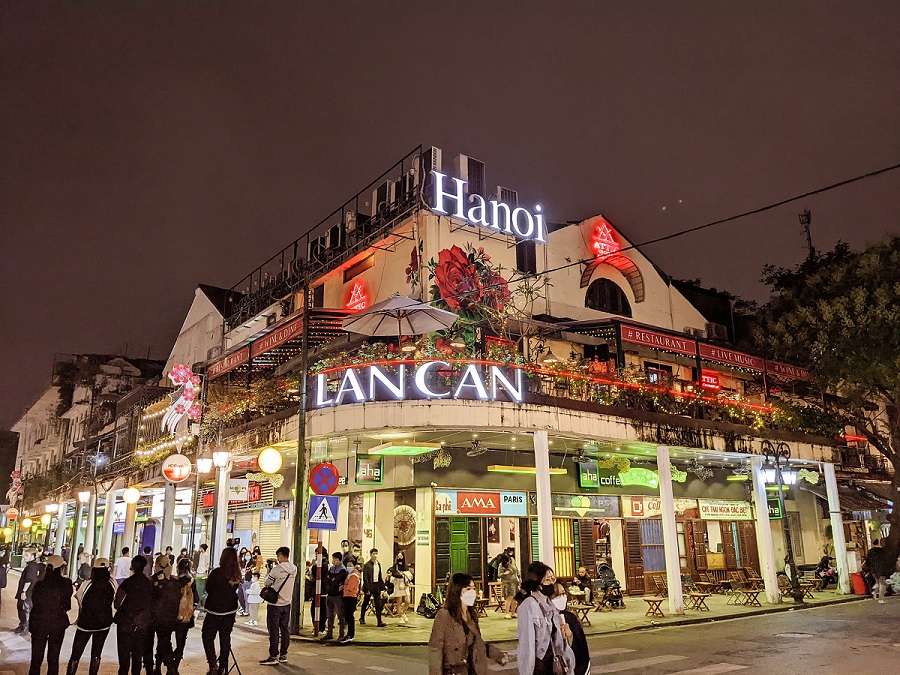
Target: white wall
<point>200,332</point>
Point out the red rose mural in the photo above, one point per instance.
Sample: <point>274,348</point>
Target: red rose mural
<point>457,279</point>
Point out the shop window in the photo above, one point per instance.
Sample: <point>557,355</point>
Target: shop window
<point>658,373</point>
<point>652,547</point>
<point>526,257</point>
<point>604,295</point>
<point>563,547</point>
<point>318,296</point>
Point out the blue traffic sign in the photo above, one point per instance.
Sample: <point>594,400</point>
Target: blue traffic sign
<point>323,513</point>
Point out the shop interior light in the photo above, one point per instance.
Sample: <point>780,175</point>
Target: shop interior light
<point>510,468</point>
<point>270,460</point>
<point>550,357</point>
<point>220,458</point>
<point>408,347</point>
<point>738,477</point>
<point>131,495</point>
<point>391,449</point>
<point>84,496</point>
<point>774,488</point>
<point>26,524</point>
<point>457,342</point>
<point>45,519</point>
<point>204,464</point>
<point>7,532</point>
<point>51,508</point>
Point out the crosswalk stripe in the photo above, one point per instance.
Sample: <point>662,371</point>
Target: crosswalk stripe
<point>336,660</point>
<point>612,652</point>
<point>304,653</point>
<point>714,669</point>
<point>638,663</point>
<point>380,669</point>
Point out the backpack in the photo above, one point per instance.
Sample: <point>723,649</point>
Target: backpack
<point>186,604</point>
<point>167,608</point>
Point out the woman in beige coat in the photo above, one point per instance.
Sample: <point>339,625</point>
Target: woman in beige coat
<point>456,647</point>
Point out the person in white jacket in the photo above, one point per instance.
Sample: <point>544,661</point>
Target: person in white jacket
<point>253,599</point>
<point>542,632</point>
<point>281,578</point>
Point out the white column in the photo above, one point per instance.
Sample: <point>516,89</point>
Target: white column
<point>91,523</point>
<point>424,549</point>
<point>544,504</point>
<point>109,515</point>
<point>128,536</point>
<point>384,528</point>
<point>168,516</point>
<point>60,528</point>
<point>764,545</point>
<point>670,532</point>
<point>837,529</point>
<point>220,527</point>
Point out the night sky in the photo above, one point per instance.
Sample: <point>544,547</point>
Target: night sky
<point>147,147</point>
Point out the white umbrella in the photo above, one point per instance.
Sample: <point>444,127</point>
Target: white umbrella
<point>399,315</point>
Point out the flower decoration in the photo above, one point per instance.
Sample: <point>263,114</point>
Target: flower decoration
<point>188,386</point>
<point>194,412</point>
<point>413,272</point>
<point>180,409</point>
<point>466,280</point>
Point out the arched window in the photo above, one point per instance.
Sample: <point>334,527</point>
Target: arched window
<point>605,296</point>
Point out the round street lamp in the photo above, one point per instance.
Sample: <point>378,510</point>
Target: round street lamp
<point>27,523</point>
<point>270,460</point>
<point>51,508</point>
<point>220,458</point>
<point>204,464</point>
<point>131,495</point>
<point>84,496</point>
<point>45,519</point>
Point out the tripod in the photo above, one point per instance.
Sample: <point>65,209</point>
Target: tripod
<point>233,665</point>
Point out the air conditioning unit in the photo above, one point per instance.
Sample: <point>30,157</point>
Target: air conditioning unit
<point>695,332</point>
<point>507,196</point>
<point>350,222</point>
<point>317,248</point>
<point>431,161</point>
<point>213,352</point>
<point>336,238</point>
<point>472,171</point>
<point>383,197</point>
<point>405,186</point>
<point>716,331</point>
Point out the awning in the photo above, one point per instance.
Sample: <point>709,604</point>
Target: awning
<point>852,499</point>
<point>883,491</point>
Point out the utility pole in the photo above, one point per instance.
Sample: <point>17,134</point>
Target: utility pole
<point>806,221</point>
<point>302,473</point>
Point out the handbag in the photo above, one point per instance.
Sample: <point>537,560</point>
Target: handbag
<point>270,595</point>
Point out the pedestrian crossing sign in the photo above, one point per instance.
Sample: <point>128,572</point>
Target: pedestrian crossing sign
<point>323,511</point>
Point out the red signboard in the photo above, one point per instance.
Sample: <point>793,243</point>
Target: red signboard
<point>358,299</point>
<point>276,337</point>
<point>254,494</point>
<point>12,513</point>
<point>651,338</point>
<point>710,380</point>
<point>730,357</point>
<point>230,362</point>
<point>478,503</point>
<point>323,478</point>
<point>787,372</point>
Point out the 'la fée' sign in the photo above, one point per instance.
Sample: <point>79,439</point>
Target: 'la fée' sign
<point>493,214</point>
<point>426,380</point>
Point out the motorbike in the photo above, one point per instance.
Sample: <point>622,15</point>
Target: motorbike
<point>826,573</point>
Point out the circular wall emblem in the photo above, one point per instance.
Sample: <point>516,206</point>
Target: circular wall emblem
<point>12,513</point>
<point>176,468</point>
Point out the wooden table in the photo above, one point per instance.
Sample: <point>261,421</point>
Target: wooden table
<point>601,604</point>
<point>736,595</point>
<point>480,605</point>
<point>581,611</point>
<point>806,587</point>
<point>698,601</point>
<point>707,587</point>
<point>752,597</point>
<point>653,607</point>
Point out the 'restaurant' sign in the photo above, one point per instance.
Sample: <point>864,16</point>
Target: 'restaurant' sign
<point>724,509</point>
<point>786,371</point>
<point>730,357</point>
<point>230,362</point>
<point>276,337</point>
<point>651,338</point>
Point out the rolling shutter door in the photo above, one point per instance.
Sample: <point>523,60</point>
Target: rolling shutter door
<point>243,520</point>
<point>269,538</point>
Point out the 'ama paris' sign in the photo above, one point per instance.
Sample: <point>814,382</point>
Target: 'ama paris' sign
<point>493,214</point>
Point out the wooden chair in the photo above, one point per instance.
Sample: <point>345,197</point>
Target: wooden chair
<point>660,585</point>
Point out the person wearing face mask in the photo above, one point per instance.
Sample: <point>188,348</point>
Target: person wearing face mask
<point>31,574</point>
<point>542,642</point>
<point>572,631</point>
<point>372,587</point>
<point>456,646</point>
<point>400,577</point>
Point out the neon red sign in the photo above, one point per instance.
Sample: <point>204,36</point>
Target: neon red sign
<point>604,244</point>
<point>710,380</point>
<point>358,299</point>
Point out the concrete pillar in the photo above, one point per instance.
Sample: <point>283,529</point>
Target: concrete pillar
<point>220,523</point>
<point>368,537</point>
<point>544,504</point>
<point>89,531</point>
<point>670,533</point>
<point>168,516</point>
<point>425,548</point>
<point>764,545</point>
<point>384,528</point>
<point>60,528</point>
<point>837,529</point>
<point>106,535</point>
<point>128,536</point>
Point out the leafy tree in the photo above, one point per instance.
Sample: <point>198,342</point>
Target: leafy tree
<point>838,313</point>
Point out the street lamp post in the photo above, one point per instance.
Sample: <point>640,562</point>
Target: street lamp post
<point>776,452</point>
<point>83,497</point>
<point>220,458</point>
<point>204,466</point>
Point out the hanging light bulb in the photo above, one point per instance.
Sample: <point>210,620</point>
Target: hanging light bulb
<point>550,357</point>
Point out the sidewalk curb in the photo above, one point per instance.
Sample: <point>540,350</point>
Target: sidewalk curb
<point>679,622</point>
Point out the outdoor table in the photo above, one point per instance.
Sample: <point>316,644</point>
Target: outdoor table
<point>653,607</point>
<point>601,604</point>
<point>698,601</point>
<point>736,595</point>
<point>480,604</point>
<point>807,587</point>
<point>752,597</point>
<point>581,611</point>
<point>707,587</point>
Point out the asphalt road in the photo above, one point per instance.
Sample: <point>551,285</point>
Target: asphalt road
<point>859,637</point>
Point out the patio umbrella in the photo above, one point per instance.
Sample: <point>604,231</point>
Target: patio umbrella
<point>399,315</point>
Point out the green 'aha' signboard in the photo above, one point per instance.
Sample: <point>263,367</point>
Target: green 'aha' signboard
<point>775,512</point>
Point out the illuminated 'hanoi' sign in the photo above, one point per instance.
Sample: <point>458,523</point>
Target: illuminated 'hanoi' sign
<point>494,215</point>
<point>427,380</point>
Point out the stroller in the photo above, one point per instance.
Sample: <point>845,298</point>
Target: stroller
<point>612,589</point>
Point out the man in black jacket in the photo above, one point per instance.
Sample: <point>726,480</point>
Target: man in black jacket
<point>133,617</point>
<point>334,583</point>
<point>48,621</point>
<point>373,586</point>
<point>31,574</point>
